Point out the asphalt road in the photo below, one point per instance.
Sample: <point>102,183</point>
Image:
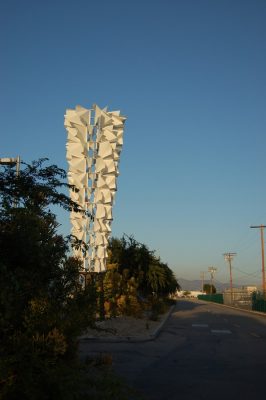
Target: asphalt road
<point>204,351</point>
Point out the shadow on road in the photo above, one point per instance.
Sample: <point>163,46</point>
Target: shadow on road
<point>211,349</point>
<point>203,348</point>
<point>186,305</point>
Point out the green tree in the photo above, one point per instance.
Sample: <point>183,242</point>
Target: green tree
<point>42,306</point>
<point>209,289</point>
<point>156,278</point>
<point>135,260</point>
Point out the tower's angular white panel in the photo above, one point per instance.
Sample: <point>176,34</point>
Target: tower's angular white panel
<point>94,143</point>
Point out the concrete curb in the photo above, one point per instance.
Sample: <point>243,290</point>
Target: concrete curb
<point>262,314</point>
<point>130,339</point>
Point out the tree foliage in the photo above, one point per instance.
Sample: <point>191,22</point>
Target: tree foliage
<point>136,280</point>
<point>209,289</point>
<point>137,263</point>
<point>42,306</point>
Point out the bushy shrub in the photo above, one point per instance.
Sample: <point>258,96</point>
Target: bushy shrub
<point>43,308</point>
<point>140,270</point>
<point>158,306</point>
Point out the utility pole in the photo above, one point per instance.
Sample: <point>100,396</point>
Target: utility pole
<point>212,271</point>
<point>229,257</point>
<point>261,227</point>
<point>202,277</point>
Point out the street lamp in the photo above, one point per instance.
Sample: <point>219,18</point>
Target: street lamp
<point>12,161</point>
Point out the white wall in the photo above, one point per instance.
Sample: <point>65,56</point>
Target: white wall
<point>192,293</point>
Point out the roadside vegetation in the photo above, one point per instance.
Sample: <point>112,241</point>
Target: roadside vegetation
<point>209,289</point>
<point>43,306</point>
<point>136,280</point>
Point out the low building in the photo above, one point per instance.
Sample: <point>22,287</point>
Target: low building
<point>251,289</point>
<point>189,293</point>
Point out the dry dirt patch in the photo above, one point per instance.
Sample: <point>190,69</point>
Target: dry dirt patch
<point>124,326</point>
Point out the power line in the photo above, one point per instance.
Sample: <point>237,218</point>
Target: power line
<point>229,257</point>
<point>261,227</point>
<point>245,241</point>
<point>247,273</point>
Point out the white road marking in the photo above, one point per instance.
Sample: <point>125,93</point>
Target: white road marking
<point>200,325</point>
<point>222,331</point>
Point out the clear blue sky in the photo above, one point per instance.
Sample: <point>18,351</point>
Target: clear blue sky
<point>191,76</point>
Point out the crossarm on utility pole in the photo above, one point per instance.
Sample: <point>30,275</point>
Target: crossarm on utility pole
<point>261,227</point>
<point>229,257</point>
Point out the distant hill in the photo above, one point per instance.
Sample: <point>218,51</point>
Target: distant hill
<point>196,285</point>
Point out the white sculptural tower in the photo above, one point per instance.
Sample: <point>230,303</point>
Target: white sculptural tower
<point>94,143</point>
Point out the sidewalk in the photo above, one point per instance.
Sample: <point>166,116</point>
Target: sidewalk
<point>127,329</point>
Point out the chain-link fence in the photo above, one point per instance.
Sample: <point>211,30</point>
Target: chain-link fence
<point>239,298</point>
<point>259,302</point>
<point>215,298</point>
